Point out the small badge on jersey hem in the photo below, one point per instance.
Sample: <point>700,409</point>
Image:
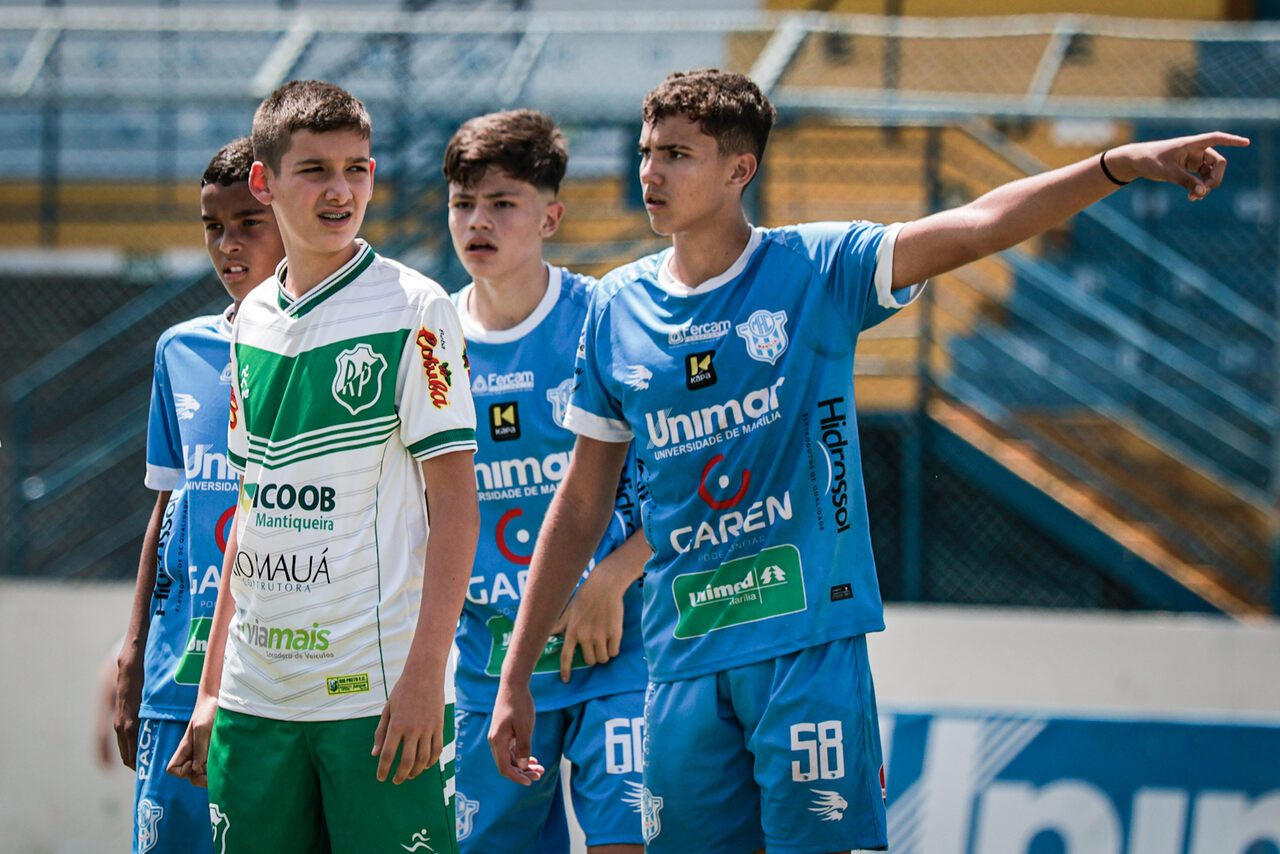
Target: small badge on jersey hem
<point>354,683</point>
<point>841,591</point>
<point>699,370</point>
<point>504,421</point>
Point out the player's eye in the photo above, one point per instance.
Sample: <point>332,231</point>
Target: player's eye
<point>212,226</point>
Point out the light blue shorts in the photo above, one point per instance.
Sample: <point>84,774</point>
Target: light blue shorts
<point>170,816</point>
<point>601,738</point>
<point>783,754</point>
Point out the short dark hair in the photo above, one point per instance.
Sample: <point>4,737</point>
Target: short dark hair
<point>726,105</point>
<point>304,105</point>
<point>525,144</point>
<point>230,165</point>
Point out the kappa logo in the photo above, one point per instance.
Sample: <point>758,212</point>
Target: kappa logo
<point>187,406</point>
<point>421,842</point>
<point>221,824</point>
<point>559,398</point>
<point>504,421</point>
<point>699,371</point>
<point>149,815</point>
<point>765,334</point>
<point>357,383</point>
<point>466,811</point>
<point>650,820</point>
<point>638,377</point>
<point>829,805</point>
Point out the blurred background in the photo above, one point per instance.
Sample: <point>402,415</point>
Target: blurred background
<point>1087,425</point>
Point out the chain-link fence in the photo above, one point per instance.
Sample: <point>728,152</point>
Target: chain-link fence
<point>1088,419</point>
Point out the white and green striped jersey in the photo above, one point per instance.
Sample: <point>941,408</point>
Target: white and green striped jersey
<point>336,397</point>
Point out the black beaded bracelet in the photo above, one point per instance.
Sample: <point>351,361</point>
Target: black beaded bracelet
<point>1102,161</point>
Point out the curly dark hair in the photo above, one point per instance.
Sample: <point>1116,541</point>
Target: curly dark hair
<point>230,165</point>
<point>304,105</point>
<point>524,144</point>
<point>726,105</point>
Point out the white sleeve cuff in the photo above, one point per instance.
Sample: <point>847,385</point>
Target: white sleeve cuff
<point>885,294</point>
<point>594,427</point>
<point>163,479</point>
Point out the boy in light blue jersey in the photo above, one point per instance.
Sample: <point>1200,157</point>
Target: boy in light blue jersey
<point>522,318</point>
<point>729,359</point>
<point>163,652</point>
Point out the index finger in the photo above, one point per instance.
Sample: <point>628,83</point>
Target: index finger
<point>566,656</point>
<point>1218,137</point>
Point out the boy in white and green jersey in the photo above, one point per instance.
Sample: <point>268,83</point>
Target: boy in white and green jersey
<point>350,415</point>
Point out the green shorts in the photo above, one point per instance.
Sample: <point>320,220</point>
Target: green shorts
<point>277,787</point>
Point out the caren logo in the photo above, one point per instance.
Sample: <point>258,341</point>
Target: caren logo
<point>439,376</point>
<point>724,483</point>
<point>522,536</point>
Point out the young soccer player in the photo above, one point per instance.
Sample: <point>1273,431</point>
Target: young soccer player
<point>729,358</point>
<point>349,399</point>
<point>163,651</point>
<point>522,317</point>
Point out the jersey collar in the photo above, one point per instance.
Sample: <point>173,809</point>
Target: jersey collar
<point>669,283</point>
<point>475,332</point>
<point>339,279</point>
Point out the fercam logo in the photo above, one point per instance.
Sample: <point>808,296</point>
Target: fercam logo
<point>357,382</point>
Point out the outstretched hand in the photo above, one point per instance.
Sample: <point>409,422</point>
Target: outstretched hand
<point>1188,161</point>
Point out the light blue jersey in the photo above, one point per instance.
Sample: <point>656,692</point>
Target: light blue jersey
<point>739,394</point>
<point>520,381</point>
<point>187,454</point>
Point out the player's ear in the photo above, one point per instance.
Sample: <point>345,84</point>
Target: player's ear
<point>259,186</point>
<point>551,217</point>
<point>744,169</point>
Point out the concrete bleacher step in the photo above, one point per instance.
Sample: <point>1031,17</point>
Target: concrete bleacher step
<point>1228,527</point>
<point>1022,458</point>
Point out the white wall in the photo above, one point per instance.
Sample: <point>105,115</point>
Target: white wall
<point>54,799</point>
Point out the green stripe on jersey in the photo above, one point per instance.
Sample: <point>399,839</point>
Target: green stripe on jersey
<point>339,279</point>
<point>336,392</point>
<point>447,440</point>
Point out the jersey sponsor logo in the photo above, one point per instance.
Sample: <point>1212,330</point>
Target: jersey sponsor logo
<point>287,573</point>
<point>523,536</point>
<point>699,371</point>
<point>466,813</point>
<point>288,642</point>
<point>501,588</point>
<point>765,334</point>
<point>828,805</point>
<point>559,399</point>
<point>186,405</point>
<point>234,417</point>
<point>832,419</point>
<point>500,631</point>
<point>504,421</point>
<point>727,527</point>
<point>502,383</point>
<point>352,683</point>
<point>149,815</point>
<point>164,580</point>
<point>760,587</point>
<point>697,428</point>
<point>650,818</point>
<point>439,376</point>
<point>207,470</point>
<point>515,477</point>
<point>724,483</point>
<point>693,333</point>
<point>357,381</point>
<point>188,672</point>
<point>145,750</point>
<point>420,842</point>
<point>221,824</point>
<point>270,498</point>
<point>638,377</point>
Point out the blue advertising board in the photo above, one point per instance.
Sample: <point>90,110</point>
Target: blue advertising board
<point>974,783</point>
